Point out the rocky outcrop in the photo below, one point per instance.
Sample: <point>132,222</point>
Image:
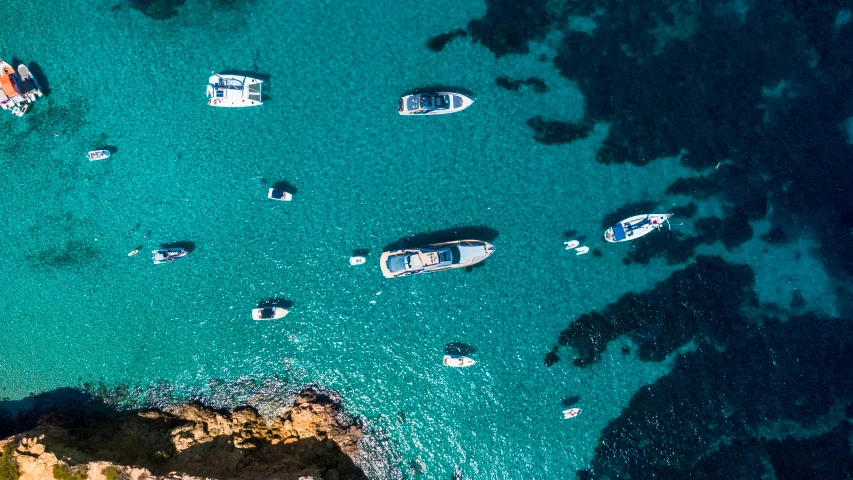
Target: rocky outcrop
<point>310,441</point>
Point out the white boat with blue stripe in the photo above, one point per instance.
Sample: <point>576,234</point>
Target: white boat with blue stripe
<point>635,227</point>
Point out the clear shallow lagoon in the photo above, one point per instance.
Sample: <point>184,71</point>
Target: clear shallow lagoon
<point>78,310</point>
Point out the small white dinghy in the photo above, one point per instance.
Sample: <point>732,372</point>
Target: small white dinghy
<point>357,260</point>
<point>571,413</point>
<point>571,244</point>
<point>268,313</point>
<point>582,250</point>
<point>281,195</point>
<point>635,227</point>
<point>458,361</point>
<point>98,155</point>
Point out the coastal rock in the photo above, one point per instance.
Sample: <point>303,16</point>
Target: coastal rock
<point>193,441</point>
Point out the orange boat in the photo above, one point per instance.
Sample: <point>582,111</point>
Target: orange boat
<point>7,82</point>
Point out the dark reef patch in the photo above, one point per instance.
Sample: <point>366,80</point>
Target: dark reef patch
<point>509,24</point>
<point>515,85</point>
<point>72,254</point>
<point>675,246</point>
<point>735,229</point>
<point>438,42</point>
<point>774,372</point>
<point>798,302</point>
<point>701,301</point>
<point>776,236</point>
<point>158,9</point>
<point>552,132</point>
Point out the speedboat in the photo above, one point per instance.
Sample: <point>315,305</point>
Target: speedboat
<point>168,255</point>
<point>17,90</point>
<point>432,258</point>
<point>635,227</point>
<point>458,361</point>
<point>98,155</point>
<point>571,413</point>
<point>269,313</point>
<point>357,260</point>
<point>277,194</point>
<point>433,103</point>
<point>233,91</point>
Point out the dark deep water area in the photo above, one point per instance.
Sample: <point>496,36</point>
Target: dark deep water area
<point>755,96</point>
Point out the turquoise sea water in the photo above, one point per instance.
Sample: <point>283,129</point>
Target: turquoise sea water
<point>78,310</point>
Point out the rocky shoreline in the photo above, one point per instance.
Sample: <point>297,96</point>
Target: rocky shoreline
<point>307,442</point>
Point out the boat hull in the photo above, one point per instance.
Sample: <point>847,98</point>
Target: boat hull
<point>98,155</point>
<point>279,195</point>
<point>571,413</point>
<point>457,361</point>
<point>470,252</point>
<point>269,313</point>
<point>409,104</point>
<point>234,91</point>
<point>635,227</point>
<point>168,255</point>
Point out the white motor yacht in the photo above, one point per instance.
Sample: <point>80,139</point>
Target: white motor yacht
<point>436,103</point>
<point>269,313</point>
<point>233,91</point>
<point>571,413</point>
<point>458,361</point>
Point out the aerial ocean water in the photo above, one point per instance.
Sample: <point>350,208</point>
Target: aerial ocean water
<point>717,348</point>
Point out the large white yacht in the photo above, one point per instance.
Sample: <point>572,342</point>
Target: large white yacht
<point>432,258</point>
<point>233,91</point>
<point>433,103</point>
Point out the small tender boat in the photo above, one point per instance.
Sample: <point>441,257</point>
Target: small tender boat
<point>571,413</point>
<point>435,103</point>
<point>357,260</point>
<point>233,91</point>
<point>432,258</point>
<point>458,361</point>
<point>269,313</point>
<point>98,155</point>
<point>277,194</point>
<point>133,252</point>
<point>571,244</point>
<point>581,250</point>
<point>168,255</point>
<point>635,227</point>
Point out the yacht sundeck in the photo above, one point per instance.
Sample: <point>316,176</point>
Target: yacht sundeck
<point>269,313</point>
<point>433,103</point>
<point>432,258</point>
<point>168,255</point>
<point>458,361</point>
<point>233,91</point>
<point>635,227</point>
